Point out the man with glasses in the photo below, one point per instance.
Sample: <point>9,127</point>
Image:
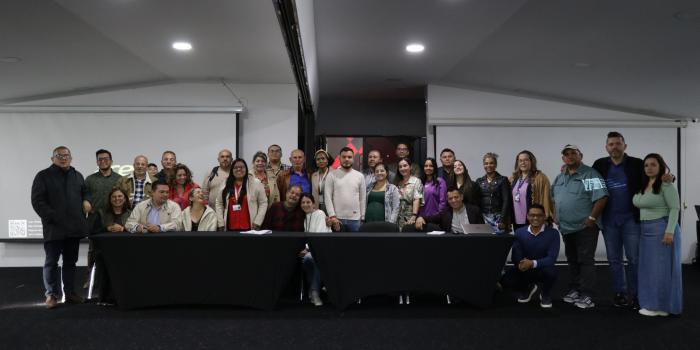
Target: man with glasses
<point>274,163</point>
<point>403,151</point>
<point>535,250</point>
<point>99,184</point>
<point>61,199</point>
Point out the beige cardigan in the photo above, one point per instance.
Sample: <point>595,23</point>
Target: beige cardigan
<point>206,223</point>
<point>257,204</point>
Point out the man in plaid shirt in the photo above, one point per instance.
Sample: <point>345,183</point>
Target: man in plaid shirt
<point>287,215</point>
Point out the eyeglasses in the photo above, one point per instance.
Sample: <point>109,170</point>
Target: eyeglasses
<point>275,151</point>
<point>239,168</point>
<point>104,159</point>
<point>62,156</point>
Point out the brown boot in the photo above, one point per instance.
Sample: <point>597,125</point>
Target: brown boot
<point>51,302</point>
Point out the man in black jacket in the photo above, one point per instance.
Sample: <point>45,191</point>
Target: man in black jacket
<point>453,220</point>
<point>60,198</point>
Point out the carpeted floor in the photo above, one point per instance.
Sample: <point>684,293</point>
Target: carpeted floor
<point>379,323</point>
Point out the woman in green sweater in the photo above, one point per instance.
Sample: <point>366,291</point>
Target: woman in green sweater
<point>660,280</point>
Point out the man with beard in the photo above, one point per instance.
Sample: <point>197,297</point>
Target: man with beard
<point>345,192</point>
<point>215,182</point>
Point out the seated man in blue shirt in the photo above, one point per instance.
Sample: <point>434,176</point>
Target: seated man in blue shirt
<point>534,253</point>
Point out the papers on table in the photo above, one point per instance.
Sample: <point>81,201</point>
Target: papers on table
<point>257,232</point>
<point>436,232</point>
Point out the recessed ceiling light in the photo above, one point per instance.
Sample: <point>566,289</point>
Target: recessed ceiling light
<point>182,46</point>
<point>415,48</point>
<point>10,59</point>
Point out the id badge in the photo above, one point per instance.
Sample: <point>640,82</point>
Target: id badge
<point>517,197</point>
<point>236,207</point>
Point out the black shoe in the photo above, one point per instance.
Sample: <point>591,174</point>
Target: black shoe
<point>620,300</point>
<point>73,298</point>
<point>634,305</point>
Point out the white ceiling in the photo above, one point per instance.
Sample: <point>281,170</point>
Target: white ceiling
<point>77,45</point>
<point>641,58</point>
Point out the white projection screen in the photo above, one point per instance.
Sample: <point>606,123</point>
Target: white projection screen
<point>470,143</point>
<point>27,140</point>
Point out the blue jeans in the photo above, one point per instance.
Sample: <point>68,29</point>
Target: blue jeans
<point>625,235</point>
<point>350,225</point>
<point>68,248</point>
<point>313,276</point>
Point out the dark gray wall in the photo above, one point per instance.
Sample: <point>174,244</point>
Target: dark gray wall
<point>365,117</point>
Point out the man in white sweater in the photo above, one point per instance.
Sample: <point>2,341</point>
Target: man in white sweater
<point>345,192</point>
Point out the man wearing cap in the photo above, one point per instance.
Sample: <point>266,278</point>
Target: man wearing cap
<point>580,195</point>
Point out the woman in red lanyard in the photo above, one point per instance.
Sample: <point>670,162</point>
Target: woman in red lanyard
<point>243,203</point>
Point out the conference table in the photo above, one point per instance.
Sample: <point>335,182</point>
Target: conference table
<point>231,268</point>
<point>355,265</point>
<point>205,268</point>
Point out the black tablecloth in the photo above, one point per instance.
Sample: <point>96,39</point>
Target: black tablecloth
<point>355,265</point>
<point>215,268</point>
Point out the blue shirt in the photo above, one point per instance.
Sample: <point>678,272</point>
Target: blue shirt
<point>618,209</point>
<point>574,196</point>
<point>543,248</point>
<point>300,180</point>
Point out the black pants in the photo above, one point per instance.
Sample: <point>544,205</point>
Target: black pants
<point>580,255</point>
<point>68,248</point>
<point>521,280</point>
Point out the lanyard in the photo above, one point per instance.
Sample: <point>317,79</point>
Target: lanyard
<point>322,180</point>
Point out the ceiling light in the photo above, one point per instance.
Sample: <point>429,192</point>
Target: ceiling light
<point>415,48</point>
<point>10,59</point>
<point>182,46</point>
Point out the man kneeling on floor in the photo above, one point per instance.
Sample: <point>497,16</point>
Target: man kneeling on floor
<point>534,253</point>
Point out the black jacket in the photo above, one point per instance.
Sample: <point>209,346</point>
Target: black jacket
<point>496,197</point>
<point>634,169</point>
<point>445,219</point>
<point>57,197</point>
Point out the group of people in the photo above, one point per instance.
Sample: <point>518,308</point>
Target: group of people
<point>632,201</point>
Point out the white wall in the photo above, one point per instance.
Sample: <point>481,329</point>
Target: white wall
<point>456,106</point>
<point>690,188</point>
<point>270,116</point>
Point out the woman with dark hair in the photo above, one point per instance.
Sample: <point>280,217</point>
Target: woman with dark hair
<point>660,285</point>
<point>529,186</point>
<point>242,204</point>
<point>382,201</point>
<point>198,216</point>
<point>267,180</point>
<point>434,190</point>
<point>494,196</point>
<point>459,178</point>
<point>181,186</point>
<point>315,221</point>
<point>116,212</point>
<point>410,191</point>
<point>318,178</point>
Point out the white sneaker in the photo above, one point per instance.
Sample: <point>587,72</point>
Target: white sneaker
<point>647,312</point>
<point>316,298</point>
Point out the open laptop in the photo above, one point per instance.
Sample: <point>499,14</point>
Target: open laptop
<point>477,228</point>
